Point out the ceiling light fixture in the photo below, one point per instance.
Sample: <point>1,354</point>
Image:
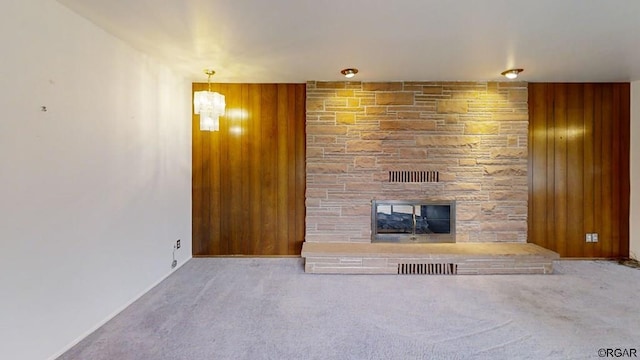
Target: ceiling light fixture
<point>349,73</point>
<point>512,73</point>
<point>209,105</point>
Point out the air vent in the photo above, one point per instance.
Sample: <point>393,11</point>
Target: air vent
<point>413,176</point>
<point>427,269</point>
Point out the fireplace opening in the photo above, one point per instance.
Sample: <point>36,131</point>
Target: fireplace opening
<point>413,221</point>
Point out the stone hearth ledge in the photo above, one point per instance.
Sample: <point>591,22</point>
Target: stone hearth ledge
<point>469,258</point>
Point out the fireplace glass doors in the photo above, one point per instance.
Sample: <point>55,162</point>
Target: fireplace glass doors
<point>413,221</point>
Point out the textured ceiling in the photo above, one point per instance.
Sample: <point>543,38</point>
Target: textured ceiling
<point>300,40</point>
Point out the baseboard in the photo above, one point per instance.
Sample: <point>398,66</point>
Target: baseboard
<point>245,256</point>
<point>589,258</point>
<point>115,313</point>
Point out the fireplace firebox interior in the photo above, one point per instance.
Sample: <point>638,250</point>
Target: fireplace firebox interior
<point>413,221</point>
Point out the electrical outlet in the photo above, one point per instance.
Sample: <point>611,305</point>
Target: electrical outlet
<point>594,237</point>
<point>589,237</point>
<point>178,244</point>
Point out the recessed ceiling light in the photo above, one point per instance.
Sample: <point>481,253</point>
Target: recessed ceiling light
<point>349,73</point>
<point>512,73</point>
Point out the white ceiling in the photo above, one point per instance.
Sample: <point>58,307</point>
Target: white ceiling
<point>300,40</point>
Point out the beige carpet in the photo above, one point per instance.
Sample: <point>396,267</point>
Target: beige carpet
<point>243,308</point>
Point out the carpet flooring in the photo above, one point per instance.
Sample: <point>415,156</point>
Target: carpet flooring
<point>268,308</point>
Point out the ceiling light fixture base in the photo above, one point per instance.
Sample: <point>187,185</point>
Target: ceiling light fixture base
<point>349,72</point>
<point>511,73</point>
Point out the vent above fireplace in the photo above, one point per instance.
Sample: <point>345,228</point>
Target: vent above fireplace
<point>406,176</point>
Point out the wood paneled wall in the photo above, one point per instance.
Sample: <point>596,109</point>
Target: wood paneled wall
<point>579,168</point>
<point>249,178</point>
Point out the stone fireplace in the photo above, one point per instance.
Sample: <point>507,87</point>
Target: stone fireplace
<point>462,142</point>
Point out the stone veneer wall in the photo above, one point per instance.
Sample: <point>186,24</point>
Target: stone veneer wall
<point>473,133</point>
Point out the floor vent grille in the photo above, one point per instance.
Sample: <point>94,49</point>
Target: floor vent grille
<point>413,176</point>
<point>427,269</point>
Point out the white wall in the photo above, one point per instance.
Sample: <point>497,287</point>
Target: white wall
<point>93,192</point>
<point>635,171</point>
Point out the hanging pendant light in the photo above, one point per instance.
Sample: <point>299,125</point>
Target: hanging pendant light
<point>209,105</point>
